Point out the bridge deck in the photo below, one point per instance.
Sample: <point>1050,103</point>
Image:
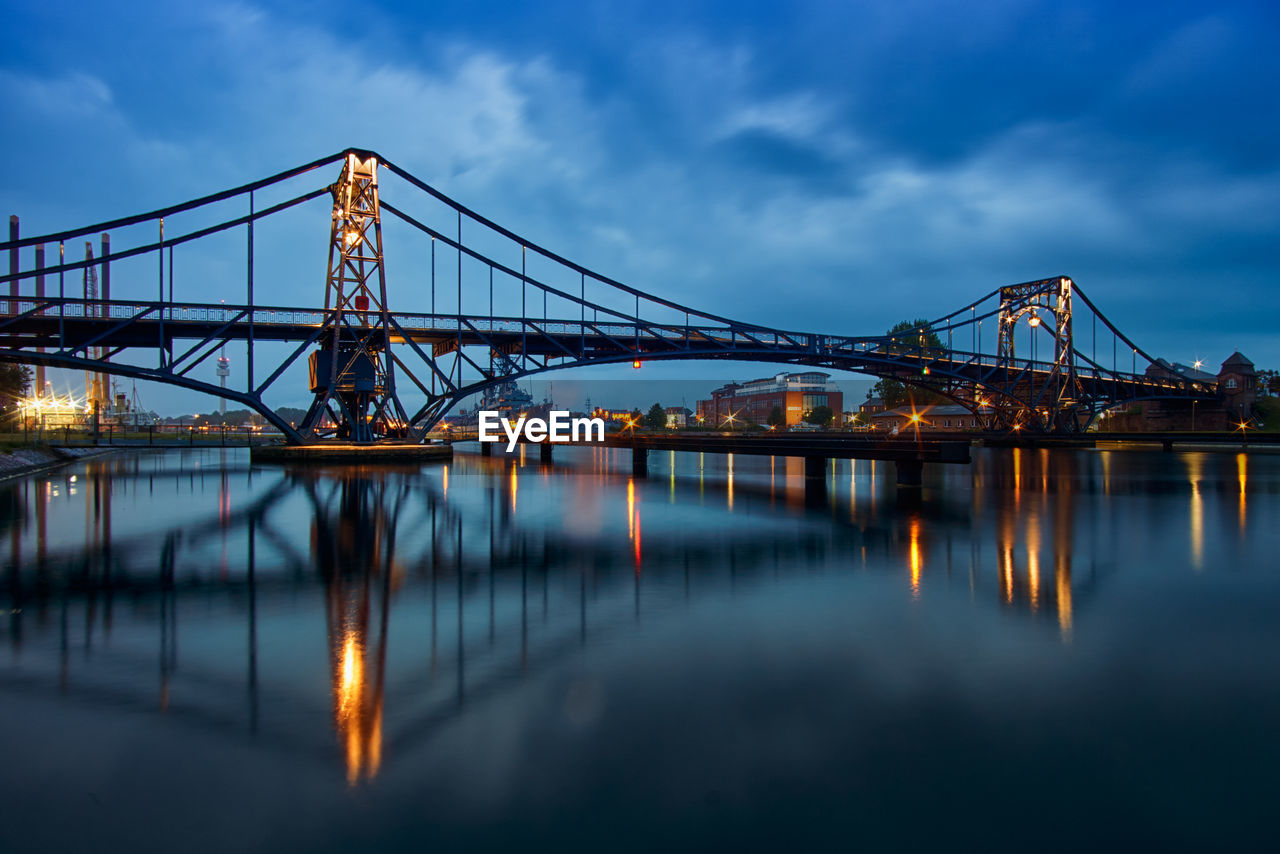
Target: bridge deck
<point>71,324</point>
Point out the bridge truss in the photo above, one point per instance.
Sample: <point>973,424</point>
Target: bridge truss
<point>985,355</point>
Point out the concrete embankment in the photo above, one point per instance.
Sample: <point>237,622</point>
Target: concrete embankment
<point>21,462</point>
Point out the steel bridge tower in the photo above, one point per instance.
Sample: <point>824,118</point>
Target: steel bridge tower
<point>352,373</point>
<point>1045,391</point>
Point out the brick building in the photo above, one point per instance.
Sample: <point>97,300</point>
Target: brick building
<point>1236,383</point>
<point>795,394</point>
<point>870,407</point>
<point>930,419</point>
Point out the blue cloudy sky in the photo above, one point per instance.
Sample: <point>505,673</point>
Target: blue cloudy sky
<point>824,166</point>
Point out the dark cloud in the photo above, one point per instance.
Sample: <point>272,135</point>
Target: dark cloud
<point>770,154</point>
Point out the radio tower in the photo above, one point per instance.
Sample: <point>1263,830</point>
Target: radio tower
<point>224,371</point>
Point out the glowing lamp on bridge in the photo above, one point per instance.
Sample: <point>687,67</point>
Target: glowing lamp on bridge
<point>636,364</point>
<point>1034,320</point>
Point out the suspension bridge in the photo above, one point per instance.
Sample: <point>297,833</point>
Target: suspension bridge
<point>1038,355</point>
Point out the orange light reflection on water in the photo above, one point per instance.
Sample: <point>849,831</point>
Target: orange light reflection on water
<point>1033,560</point>
<point>1195,468</point>
<point>1242,464</point>
<point>359,716</point>
<point>916,561</point>
<point>730,481</point>
<point>633,520</point>
<point>1062,580</point>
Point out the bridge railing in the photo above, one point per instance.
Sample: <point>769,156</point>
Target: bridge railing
<point>882,348</point>
<point>78,308</point>
<point>1081,370</point>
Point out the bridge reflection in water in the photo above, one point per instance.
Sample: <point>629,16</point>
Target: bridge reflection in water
<point>491,568</point>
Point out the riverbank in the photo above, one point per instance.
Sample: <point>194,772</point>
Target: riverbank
<point>21,462</point>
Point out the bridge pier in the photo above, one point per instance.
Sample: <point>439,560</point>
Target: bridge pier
<point>486,449</point>
<point>544,453</point>
<point>815,492</point>
<point>815,468</point>
<point>640,462</point>
<point>910,472</point>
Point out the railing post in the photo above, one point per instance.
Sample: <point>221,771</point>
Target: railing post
<point>160,295</point>
<point>40,297</point>
<point>62,294</point>
<point>106,283</point>
<point>12,307</point>
<point>249,288</point>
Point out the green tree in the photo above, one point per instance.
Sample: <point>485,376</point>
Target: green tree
<point>656,419</point>
<point>1269,382</point>
<point>15,383</point>
<point>820,415</point>
<point>911,338</point>
<point>777,418</point>
<point>292,414</point>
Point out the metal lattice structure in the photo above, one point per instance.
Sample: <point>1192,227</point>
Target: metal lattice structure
<point>1053,399</point>
<point>351,376</point>
<point>456,344</point>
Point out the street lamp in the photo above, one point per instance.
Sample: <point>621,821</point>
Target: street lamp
<point>1243,427</point>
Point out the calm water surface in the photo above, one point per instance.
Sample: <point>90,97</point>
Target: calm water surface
<point>1043,650</point>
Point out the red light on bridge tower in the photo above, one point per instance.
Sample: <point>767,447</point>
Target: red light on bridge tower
<point>352,376</point>
<point>636,364</point>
